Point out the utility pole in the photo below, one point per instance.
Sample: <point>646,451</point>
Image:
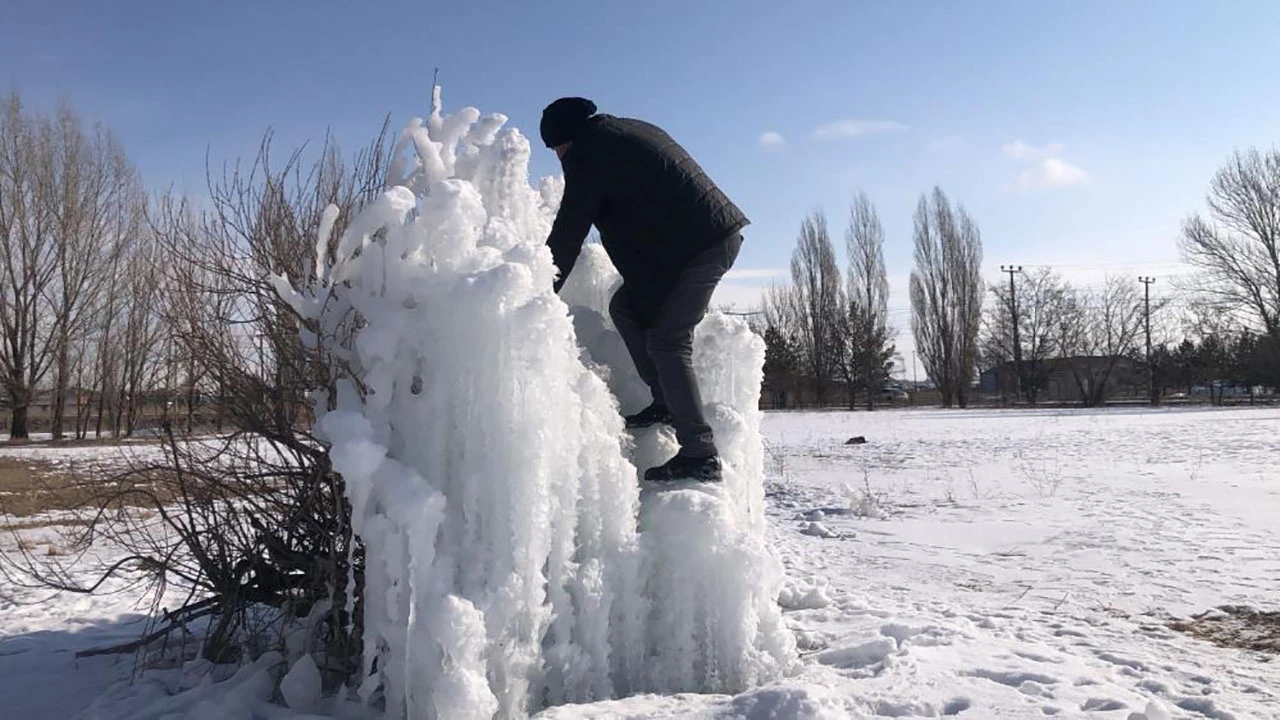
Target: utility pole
<point>1017,346</point>
<point>1151,377</point>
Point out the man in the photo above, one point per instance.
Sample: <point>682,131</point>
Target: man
<point>671,233</point>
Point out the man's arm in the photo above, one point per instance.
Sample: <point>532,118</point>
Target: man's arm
<point>573,220</point>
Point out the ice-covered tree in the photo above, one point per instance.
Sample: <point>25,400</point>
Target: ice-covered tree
<point>510,562</point>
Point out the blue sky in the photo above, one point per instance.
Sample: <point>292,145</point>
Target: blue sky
<point>1078,134</point>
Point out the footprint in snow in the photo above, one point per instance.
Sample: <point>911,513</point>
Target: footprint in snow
<point>1035,657</point>
<point>1123,662</point>
<point>1205,707</point>
<point>1034,689</point>
<point>898,708</point>
<point>1154,686</point>
<point>1102,705</point>
<point>856,657</point>
<point>1012,678</point>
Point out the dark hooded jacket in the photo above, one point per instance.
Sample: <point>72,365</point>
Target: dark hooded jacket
<point>654,206</point>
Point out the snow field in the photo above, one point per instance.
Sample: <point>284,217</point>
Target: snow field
<point>986,595</point>
<point>1028,564</point>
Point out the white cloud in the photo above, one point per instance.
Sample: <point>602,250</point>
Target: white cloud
<point>1045,167</point>
<point>755,273</point>
<point>772,139</point>
<point>1051,172</point>
<point>1021,150</point>
<point>853,128</point>
<point>739,296</point>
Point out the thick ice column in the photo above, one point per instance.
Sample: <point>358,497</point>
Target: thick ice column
<point>482,458</point>
<point>491,481</point>
<point>710,580</point>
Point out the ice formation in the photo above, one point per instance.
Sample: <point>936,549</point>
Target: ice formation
<point>512,562</point>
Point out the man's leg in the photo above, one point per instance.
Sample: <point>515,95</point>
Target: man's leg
<point>636,338</point>
<point>671,344</point>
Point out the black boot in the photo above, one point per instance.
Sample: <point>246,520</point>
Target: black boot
<point>680,467</point>
<point>652,415</point>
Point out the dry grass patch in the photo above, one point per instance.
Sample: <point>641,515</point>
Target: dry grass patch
<point>1235,626</point>
<point>39,493</point>
<point>31,487</point>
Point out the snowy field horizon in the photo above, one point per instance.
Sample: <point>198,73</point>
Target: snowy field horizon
<point>968,563</point>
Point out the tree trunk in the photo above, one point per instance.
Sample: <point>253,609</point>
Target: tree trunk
<point>60,388</point>
<point>871,398</point>
<point>18,422</point>
<point>21,399</point>
<point>97,428</point>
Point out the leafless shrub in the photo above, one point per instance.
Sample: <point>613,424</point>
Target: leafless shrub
<point>243,511</point>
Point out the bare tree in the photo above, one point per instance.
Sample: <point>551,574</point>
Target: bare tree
<point>96,204</point>
<point>817,303</point>
<point>1097,331</point>
<point>1040,305</point>
<point>780,329</point>
<point>1238,248</point>
<point>255,516</point>
<point>29,262</point>
<point>867,294</point>
<point>946,295</point>
<point>66,197</point>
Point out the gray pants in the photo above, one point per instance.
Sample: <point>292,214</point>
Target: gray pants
<point>663,351</point>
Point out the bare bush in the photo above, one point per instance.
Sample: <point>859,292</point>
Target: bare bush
<point>1039,298</point>
<point>1097,330</point>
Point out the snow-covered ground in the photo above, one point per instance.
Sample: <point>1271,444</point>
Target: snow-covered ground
<point>984,564</point>
<point>1019,563</point>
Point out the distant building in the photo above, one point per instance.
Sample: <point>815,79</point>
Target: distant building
<point>1067,380</point>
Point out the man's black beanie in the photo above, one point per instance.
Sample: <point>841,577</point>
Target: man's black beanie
<point>563,119</point>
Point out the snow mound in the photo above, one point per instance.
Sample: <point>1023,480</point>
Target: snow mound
<point>817,529</point>
<point>803,595</point>
<point>510,562</point>
<point>1153,711</point>
<point>300,687</point>
<point>790,702</point>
